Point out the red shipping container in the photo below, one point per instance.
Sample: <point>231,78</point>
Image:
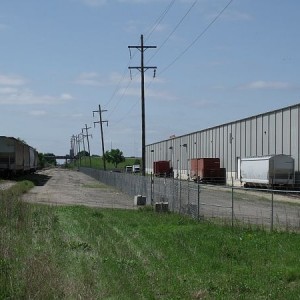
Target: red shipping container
<point>161,168</point>
<point>205,168</point>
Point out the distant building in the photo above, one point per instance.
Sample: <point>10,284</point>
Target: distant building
<point>274,132</point>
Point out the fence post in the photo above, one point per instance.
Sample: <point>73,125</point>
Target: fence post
<point>165,184</point>
<point>198,199</point>
<point>151,188</point>
<point>173,202</point>
<point>188,191</point>
<point>180,192</point>
<point>232,202</point>
<point>272,206</point>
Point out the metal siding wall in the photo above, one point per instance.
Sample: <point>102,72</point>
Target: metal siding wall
<point>266,134</point>
<point>259,136</point>
<point>243,139</point>
<point>295,136</point>
<point>202,144</point>
<point>206,143</point>
<point>214,136</point>
<point>217,153</point>
<point>197,146</point>
<point>253,137</point>
<point>222,145</point>
<point>184,152</point>
<point>286,131</point>
<point>192,145</point>
<point>238,139</point>
<point>248,138</point>
<point>233,148</point>
<point>226,145</point>
<point>210,143</point>
<point>272,134</point>
<point>176,153</point>
<point>278,132</point>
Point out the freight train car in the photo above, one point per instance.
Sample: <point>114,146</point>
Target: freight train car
<point>272,170</point>
<point>16,157</point>
<point>207,170</point>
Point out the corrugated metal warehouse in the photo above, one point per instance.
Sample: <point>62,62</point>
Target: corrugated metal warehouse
<point>275,132</point>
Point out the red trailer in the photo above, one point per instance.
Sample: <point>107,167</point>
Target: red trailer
<point>162,168</point>
<point>207,170</point>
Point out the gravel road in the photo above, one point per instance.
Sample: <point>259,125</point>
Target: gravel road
<point>67,187</point>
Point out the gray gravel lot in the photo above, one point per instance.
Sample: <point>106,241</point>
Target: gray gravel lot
<point>67,187</point>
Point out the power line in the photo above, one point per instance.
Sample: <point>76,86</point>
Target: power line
<point>156,23</point>
<point>198,37</point>
<point>175,28</point>
<point>159,19</point>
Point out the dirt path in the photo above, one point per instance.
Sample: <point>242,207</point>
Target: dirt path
<point>6,184</point>
<point>66,187</point>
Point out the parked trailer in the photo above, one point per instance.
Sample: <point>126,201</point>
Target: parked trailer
<point>272,170</point>
<point>207,170</point>
<point>162,168</point>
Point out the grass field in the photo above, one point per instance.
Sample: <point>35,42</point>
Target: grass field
<point>77,252</point>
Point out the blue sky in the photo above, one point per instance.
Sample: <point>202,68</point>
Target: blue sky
<point>60,59</point>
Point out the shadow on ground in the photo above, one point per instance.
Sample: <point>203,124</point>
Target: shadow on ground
<point>37,179</point>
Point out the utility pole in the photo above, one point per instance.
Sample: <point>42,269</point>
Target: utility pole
<point>101,130</point>
<point>72,151</point>
<point>142,69</point>
<point>88,142</point>
<point>78,148</point>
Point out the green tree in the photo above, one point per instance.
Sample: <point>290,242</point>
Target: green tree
<point>114,156</point>
<point>82,154</point>
<point>42,160</point>
<point>137,161</point>
<point>50,159</point>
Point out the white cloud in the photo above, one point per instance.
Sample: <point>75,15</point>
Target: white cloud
<point>11,80</point>
<point>90,79</point>
<point>96,80</point>
<point>37,113</point>
<point>94,3</point>
<point>26,96</point>
<point>234,15</point>
<point>272,85</point>
<point>159,95</point>
<point>8,90</point>
<point>66,97</point>
<point>203,103</point>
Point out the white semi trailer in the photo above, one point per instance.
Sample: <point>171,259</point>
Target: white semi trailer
<point>267,170</point>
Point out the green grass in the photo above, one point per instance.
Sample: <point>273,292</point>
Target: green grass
<point>77,252</point>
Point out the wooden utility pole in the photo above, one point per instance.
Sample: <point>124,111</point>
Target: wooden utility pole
<point>101,130</point>
<point>88,142</point>
<point>142,69</point>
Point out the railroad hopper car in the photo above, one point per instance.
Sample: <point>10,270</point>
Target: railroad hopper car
<point>272,170</point>
<point>207,170</point>
<point>16,157</point>
<point>162,168</point>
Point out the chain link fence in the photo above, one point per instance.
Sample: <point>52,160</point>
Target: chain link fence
<point>267,208</point>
